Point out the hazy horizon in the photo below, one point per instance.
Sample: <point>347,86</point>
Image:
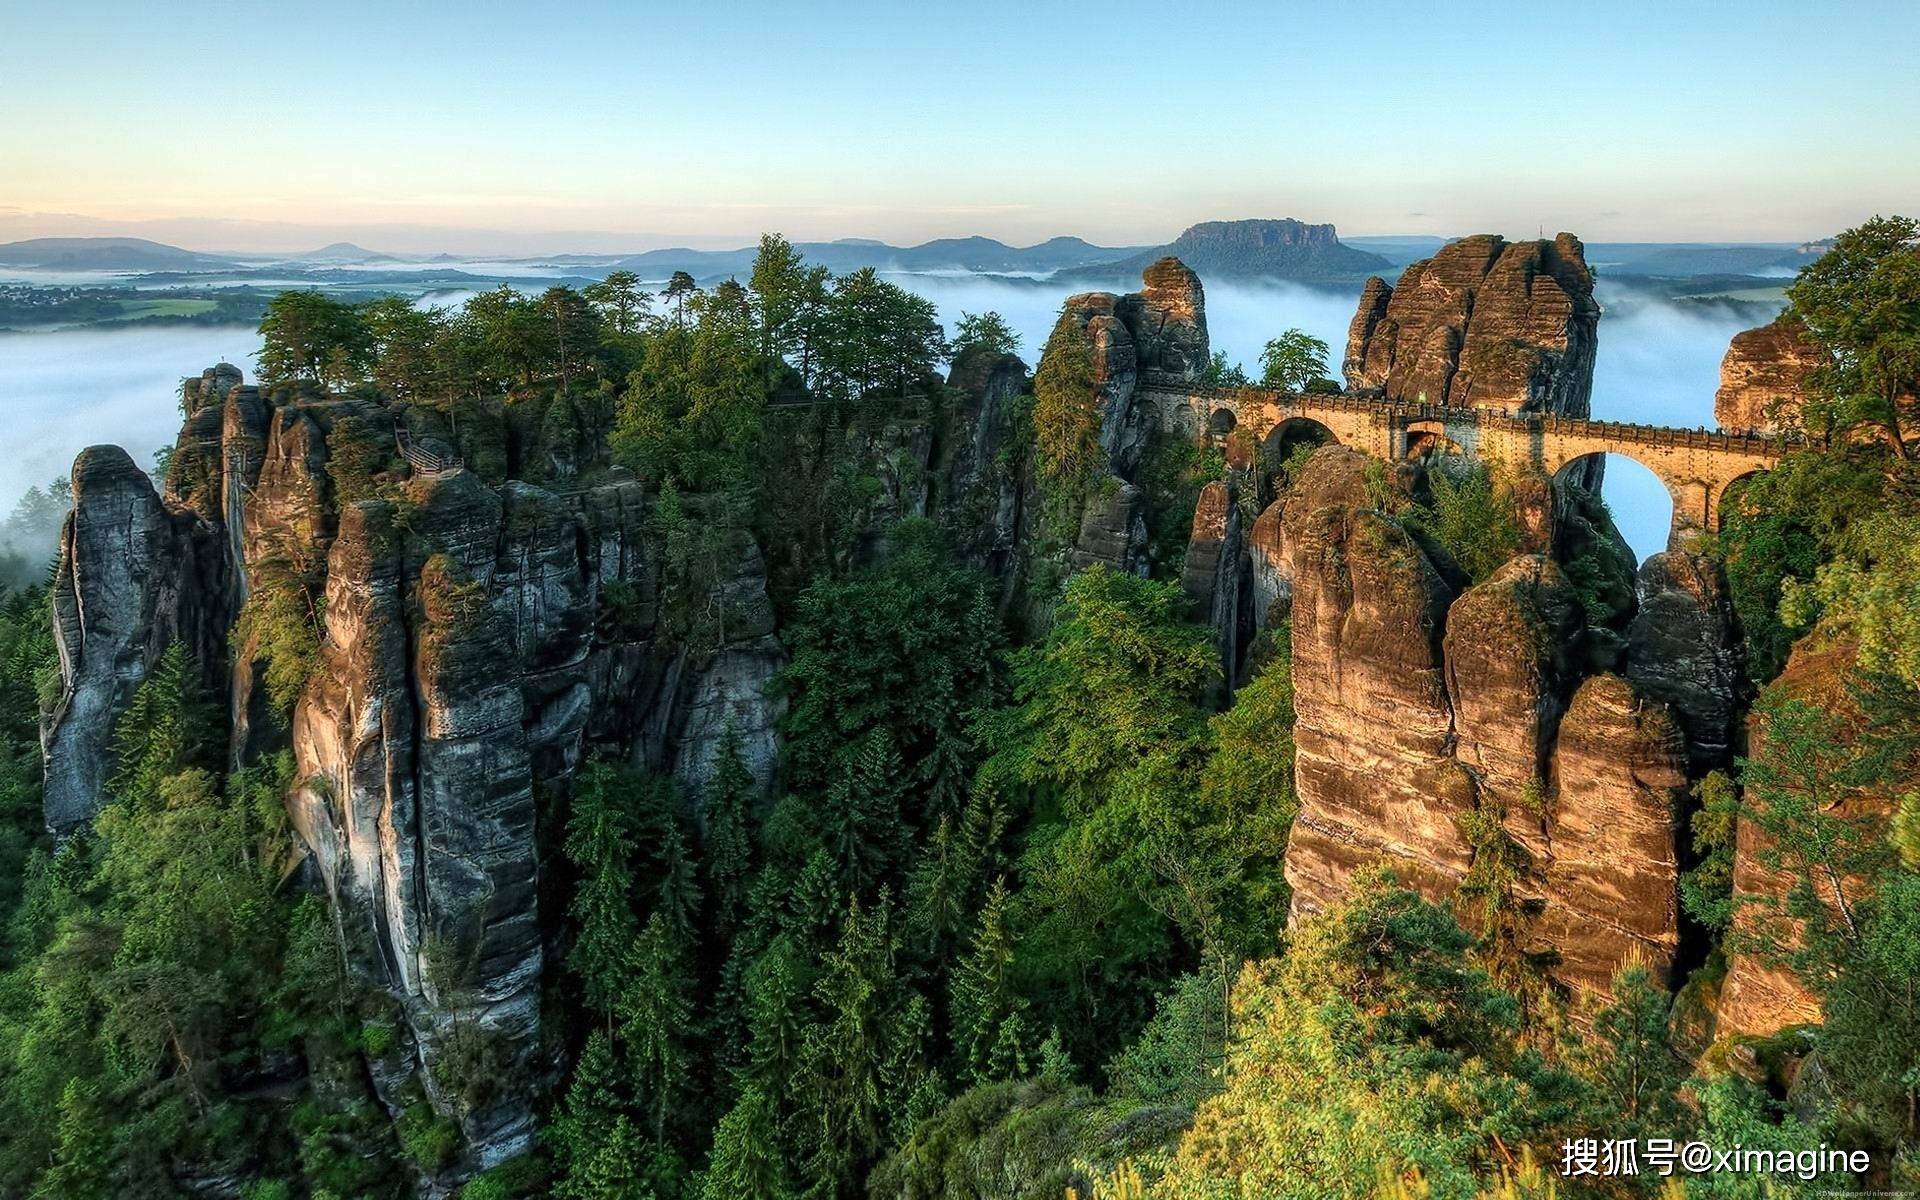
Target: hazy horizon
<point>434,127</point>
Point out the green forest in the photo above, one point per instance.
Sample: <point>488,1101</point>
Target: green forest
<point>1014,922</point>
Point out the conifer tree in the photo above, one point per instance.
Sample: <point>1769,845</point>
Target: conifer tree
<point>987,1011</point>
<point>655,1012</point>
<point>746,1158</point>
<point>726,859</point>
<point>599,843</point>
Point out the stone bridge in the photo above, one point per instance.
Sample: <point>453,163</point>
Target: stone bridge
<point>1697,466</point>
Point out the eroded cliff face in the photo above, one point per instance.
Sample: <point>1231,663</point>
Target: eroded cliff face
<point>1764,376</point>
<point>1484,323</point>
<point>133,576</point>
<point>477,638</point>
<point>1429,712</point>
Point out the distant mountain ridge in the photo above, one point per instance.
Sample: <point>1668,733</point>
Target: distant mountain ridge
<point>979,255</point>
<point>105,254</point>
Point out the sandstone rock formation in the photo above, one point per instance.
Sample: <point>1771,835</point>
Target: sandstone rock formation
<point>1511,652</point>
<point>1482,324</point>
<point>1266,249</point>
<point>1764,375</point>
<point>1211,575</point>
<point>133,577</point>
<point>1421,701</point>
<point>1683,650</point>
<point>1610,883</point>
<point>1373,729</point>
<point>476,638</point>
<point>1761,994</point>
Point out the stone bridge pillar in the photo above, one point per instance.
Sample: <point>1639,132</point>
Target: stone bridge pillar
<point>1693,510</point>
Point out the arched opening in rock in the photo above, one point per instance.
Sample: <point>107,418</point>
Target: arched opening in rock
<point>1733,497</point>
<point>1429,437</point>
<point>1637,500</point>
<point>1295,435</point>
<point>1222,422</point>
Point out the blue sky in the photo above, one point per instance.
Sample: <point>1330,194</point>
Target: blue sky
<point>588,126</point>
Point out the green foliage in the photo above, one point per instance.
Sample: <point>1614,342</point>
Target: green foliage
<point>279,626</point>
<point>909,647</point>
<point>1066,416</point>
<point>312,337</point>
<point>1469,516</point>
<point>1372,1047</point>
<point>1861,303</point>
<point>354,454</point>
<point>1293,360</point>
<point>1706,889</point>
<point>984,333</point>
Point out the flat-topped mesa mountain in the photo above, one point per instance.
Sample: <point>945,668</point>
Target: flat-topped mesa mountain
<point>1251,249</point>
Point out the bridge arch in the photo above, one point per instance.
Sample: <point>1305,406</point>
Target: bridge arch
<point>1288,435</point>
<point>1425,436</point>
<point>1729,493</point>
<point>1647,508</point>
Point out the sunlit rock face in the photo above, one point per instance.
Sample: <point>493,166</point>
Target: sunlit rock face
<point>1761,994</point>
<point>1764,376</point>
<point>1212,575</point>
<point>1484,323</point>
<point>1438,723</point>
<point>1373,730</point>
<point>1610,874</point>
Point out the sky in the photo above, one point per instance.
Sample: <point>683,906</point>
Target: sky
<point>496,128</point>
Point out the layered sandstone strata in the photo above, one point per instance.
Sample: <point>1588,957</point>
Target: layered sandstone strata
<point>1764,377</point>
<point>1484,323</point>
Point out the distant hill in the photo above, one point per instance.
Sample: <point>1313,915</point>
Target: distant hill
<point>1680,260</point>
<point>106,254</point>
<point>1399,249</point>
<point>1256,249</point>
<point>344,252</point>
<point>981,255</point>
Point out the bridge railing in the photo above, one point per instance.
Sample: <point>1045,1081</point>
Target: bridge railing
<point>1763,444</point>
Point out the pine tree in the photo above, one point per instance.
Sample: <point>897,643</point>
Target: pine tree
<point>83,1167</point>
<point>655,1012</point>
<point>861,825</point>
<point>987,1011</point>
<point>845,1054</point>
<point>746,1157</point>
<point>727,853</point>
<point>599,843</point>
<point>164,730</point>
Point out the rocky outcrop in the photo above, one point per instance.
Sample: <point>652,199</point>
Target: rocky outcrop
<point>1764,376</point>
<point>1511,654</point>
<point>1761,994</point>
<point>1611,876</point>
<point>1270,588</point>
<point>1167,319</point>
<point>1211,575</point>
<point>476,639</point>
<point>1484,323</point>
<point>133,577</point>
<point>1424,706</point>
<point>981,497</point>
<point>1373,730</point>
<point>1683,651</point>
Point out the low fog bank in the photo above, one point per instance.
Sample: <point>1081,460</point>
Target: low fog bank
<point>1659,362</point>
<point>61,392</point>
